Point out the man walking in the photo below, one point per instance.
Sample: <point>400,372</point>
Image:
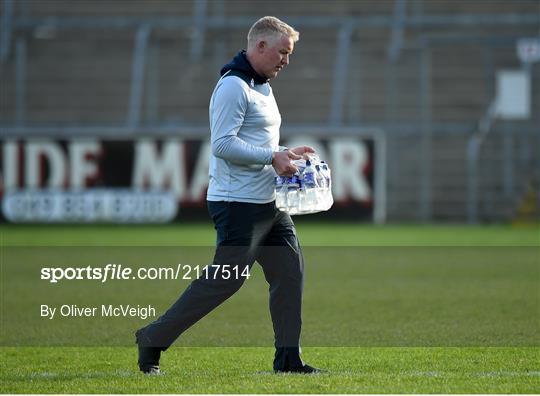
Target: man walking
<point>245,122</point>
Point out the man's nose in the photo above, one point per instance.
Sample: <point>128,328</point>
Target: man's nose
<point>285,60</point>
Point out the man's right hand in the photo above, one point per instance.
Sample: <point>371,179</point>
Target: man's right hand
<point>281,161</point>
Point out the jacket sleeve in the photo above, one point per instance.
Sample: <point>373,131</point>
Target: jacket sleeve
<point>227,111</point>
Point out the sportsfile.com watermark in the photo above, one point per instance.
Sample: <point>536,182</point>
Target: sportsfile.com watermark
<point>111,272</point>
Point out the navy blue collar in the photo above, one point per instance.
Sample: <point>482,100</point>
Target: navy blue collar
<point>241,67</point>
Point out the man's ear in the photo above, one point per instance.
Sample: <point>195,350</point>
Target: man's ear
<point>261,44</point>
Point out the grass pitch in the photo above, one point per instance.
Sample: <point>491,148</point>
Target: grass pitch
<point>247,370</point>
<point>483,336</point>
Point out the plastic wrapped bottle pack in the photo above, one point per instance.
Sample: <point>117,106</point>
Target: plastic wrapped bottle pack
<point>307,191</point>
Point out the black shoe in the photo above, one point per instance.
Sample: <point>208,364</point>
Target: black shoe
<point>148,356</point>
<point>305,369</point>
<point>150,370</point>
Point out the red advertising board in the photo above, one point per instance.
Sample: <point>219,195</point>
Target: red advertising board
<point>148,179</point>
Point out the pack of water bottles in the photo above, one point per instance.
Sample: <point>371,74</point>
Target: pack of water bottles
<point>308,191</point>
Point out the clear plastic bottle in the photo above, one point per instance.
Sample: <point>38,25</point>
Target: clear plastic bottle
<point>318,176</point>
<point>281,192</point>
<point>327,191</point>
<point>293,199</point>
<point>309,201</point>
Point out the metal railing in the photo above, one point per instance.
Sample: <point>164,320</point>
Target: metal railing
<point>200,23</point>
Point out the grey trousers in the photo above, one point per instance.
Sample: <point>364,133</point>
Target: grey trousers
<point>245,233</point>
